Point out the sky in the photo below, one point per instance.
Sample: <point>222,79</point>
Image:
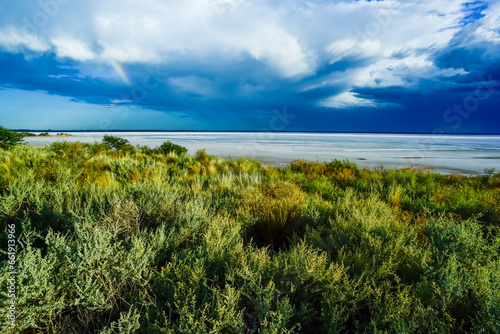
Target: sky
<point>255,65</point>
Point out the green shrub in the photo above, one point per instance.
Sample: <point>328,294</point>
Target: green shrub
<point>27,134</point>
<point>340,164</point>
<point>202,157</point>
<point>9,138</point>
<point>114,142</point>
<point>278,208</point>
<point>133,241</point>
<point>70,150</point>
<point>169,147</point>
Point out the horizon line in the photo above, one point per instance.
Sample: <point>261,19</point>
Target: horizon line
<point>259,131</point>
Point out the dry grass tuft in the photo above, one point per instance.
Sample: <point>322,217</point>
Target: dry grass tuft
<point>278,206</point>
<point>124,219</point>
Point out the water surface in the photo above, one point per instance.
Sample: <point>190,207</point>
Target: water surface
<point>467,154</point>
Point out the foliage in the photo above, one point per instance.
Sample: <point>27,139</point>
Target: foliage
<point>27,134</point>
<point>132,241</point>
<point>114,142</point>
<point>277,207</point>
<point>169,147</point>
<point>9,138</point>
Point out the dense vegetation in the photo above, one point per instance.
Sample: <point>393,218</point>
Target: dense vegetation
<point>119,239</point>
<point>9,138</point>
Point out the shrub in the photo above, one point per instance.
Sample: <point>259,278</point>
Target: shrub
<point>64,149</point>
<point>145,149</point>
<point>27,134</point>
<point>278,207</point>
<point>9,138</point>
<point>202,157</point>
<point>116,143</point>
<point>97,148</point>
<point>169,147</point>
<point>124,218</point>
<point>338,164</point>
<point>489,171</point>
<point>310,169</point>
<point>110,242</point>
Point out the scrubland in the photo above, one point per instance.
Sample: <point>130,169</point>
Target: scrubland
<point>135,240</point>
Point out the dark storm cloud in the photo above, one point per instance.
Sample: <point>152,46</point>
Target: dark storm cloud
<point>352,66</point>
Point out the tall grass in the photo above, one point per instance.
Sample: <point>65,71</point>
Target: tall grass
<point>139,240</point>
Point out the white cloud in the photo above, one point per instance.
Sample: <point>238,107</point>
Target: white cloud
<point>347,100</point>
<point>72,48</point>
<point>199,28</point>
<point>274,45</point>
<point>121,101</point>
<point>292,39</point>
<point>394,72</point>
<point>490,29</point>
<point>14,40</point>
<point>349,48</point>
<point>395,45</point>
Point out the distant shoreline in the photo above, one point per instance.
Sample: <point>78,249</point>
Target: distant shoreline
<point>258,131</point>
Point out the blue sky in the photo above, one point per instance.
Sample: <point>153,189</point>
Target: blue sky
<point>390,66</point>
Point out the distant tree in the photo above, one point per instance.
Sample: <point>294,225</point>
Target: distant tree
<point>116,143</point>
<point>9,138</point>
<point>170,147</point>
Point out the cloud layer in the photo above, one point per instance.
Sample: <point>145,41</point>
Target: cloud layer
<point>226,64</point>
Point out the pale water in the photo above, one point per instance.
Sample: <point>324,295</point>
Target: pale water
<point>467,154</point>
